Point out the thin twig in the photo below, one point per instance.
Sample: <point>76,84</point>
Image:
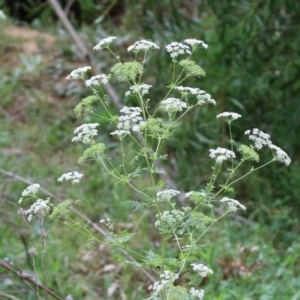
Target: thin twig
<point>27,278</point>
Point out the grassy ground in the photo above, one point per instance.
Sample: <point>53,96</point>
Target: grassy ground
<point>256,260</point>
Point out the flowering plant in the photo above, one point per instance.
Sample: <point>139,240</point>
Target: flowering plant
<point>148,125</point>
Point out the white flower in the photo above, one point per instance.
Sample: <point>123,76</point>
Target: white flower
<point>201,269</point>
<point>143,89</point>
<point>142,45</point>
<point>30,190</point>
<point>40,207</point>
<point>194,42</point>
<point>170,218</point>
<point>74,176</point>
<point>198,294</point>
<point>176,49</point>
<point>166,279</point>
<point>104,44</point>
<point>85,133</point>
<point>167,195</point>
<point>78,73</point>
<point>221,154</point>
<point>120,133</point>
<point>2,15</point>
<point>97,80</point>
<point>280,155</point>
<point>259,138</point>
<point>172,105</point>
<point>229,116</point>
<point>131,120</point>
<point>193,193</point>
<point>201,96</point>
<point>233,205</point>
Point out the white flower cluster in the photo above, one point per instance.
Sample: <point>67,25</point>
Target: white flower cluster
<point>142,89</point>
<point>86,133</point>
<point>166,279</point>
<point>233,205</point>
<point>167,195</point>
<point>97,80</point>
<point>202,270</point>
<point>40,207</point>
<point>131,120</point>
<point>194,42</point>
<point>172,105</point>
<point>259,138</point>
<point>104,44</point>
<point>176,49</point>
<point>280,155</point>
<point>198,294</point>
<point>193,193</point>
<point>74,176</point>
<point>262,139</point>
<point>201,96</point>
<point>2,15</point>
<point>30,190</point>
<point>120,133</point>
<point>229,116</point>
<point>78,73</point>
<point>170,218</point>
<point>142,45</point>
<point>221,154</point>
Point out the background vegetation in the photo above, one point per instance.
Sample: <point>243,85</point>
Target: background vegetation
<point>253,68</point>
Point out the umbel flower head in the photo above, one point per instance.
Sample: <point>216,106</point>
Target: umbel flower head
<point>97,80</point>
<point>196,43</point>
<point>280,155</point>
<point>229,116</point>
<point>104,44</point>
<point>31,190</point>
<point>233,205</point>
<point>172,105</point>
<point>71,176</point>
<point>86,133</point>
<point>78,73</point>
<point>142,45</point>
<point>176,49</point>
<point>259,138</point>
<point>166,279</point>
<point>142,89</point>
<point>167,195</point>
<point>131,120</point>
<point>40,207</point>
<point>221,154</point>
<point>201,269</point>
<point>201,96</point>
